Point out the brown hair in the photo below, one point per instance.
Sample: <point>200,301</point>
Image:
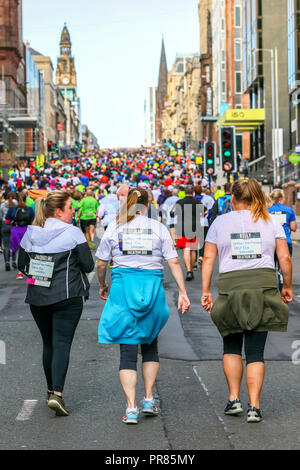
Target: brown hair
<point>250,192</point>
<point>276,195</point>
<point>136,198</point>
<point>46,207</point>
<point>198,190</point>
<point>21,198</point>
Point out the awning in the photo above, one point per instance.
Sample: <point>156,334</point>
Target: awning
<point>244,120</point>
<point>23,122</point>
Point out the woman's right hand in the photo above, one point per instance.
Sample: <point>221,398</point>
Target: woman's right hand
<point>207,302</point>
<point>183,303</point>
<point>287,295</point>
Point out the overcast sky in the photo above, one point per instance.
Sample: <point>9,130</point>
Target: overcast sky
<point>116,45</point>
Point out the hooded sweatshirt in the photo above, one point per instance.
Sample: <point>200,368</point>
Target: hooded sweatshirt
<point>55,258</point>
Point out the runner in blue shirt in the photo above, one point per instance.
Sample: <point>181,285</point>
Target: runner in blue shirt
<point>286,217</point>
<point>284,214</point>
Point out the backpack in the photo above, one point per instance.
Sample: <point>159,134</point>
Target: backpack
<point>22,217</point>
<point>224,205</point>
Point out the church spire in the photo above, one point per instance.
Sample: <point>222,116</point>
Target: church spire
<point>65,42</point>
<point>162,91</point>
<point>163,72</point>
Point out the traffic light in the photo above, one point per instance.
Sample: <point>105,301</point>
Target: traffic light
<point>50,146</point>
<point>203,142</point>
<point>210,158</point>
<point>228,149</point>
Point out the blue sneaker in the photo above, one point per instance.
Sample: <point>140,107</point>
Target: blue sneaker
<point>150,408</point>
<point>131,417</point>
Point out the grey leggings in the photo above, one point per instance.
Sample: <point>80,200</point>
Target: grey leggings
<point>129,354</point>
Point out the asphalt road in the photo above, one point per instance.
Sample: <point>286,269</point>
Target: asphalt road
<point>191,386</point>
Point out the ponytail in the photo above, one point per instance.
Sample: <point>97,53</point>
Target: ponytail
<point>46,207</point>
<point>40,217</point>
<point>250,192</point>
<point>137,201</point>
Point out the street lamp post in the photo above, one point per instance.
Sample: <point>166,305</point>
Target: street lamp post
<point>275,107</point>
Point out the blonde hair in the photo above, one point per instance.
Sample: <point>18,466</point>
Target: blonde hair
<point>276,196</point>
<point>136,198</point>
<point>250,192</point>
<point>269,201</point>
<point>46,207</point>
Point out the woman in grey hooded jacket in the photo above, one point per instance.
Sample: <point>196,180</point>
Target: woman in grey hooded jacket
<point>55,256</point>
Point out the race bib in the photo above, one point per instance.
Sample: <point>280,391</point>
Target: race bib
<point>41,270</point>
<point>246,245</point>
<point>137,242</point>
<point>280,216</point>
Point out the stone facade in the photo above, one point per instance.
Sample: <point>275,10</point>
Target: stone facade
<point>180,117</point>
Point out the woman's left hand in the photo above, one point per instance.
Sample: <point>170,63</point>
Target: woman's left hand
<point>207,302</point>
<point>103,290</point>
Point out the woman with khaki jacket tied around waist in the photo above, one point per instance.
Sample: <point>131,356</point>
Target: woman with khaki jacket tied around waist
<point>249,303</point>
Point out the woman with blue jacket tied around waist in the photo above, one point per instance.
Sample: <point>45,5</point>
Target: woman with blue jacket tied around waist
<point>136,309</point>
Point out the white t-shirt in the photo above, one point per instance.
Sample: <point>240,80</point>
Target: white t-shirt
<point>244,244</point>
<point>147,234</point>
<point>208,202</point>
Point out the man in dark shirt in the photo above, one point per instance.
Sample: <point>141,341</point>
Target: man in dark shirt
<point>189,230</point>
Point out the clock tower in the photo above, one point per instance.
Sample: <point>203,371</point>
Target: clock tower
<point>66,82</point>
<point>66,79</point>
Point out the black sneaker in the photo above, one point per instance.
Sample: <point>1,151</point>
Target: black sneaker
<point>14,265</point>
<point>190,276</point>
<point>254,415</point>
<point>234,407</point>
<point>57,404</point>
<point>7,267</point>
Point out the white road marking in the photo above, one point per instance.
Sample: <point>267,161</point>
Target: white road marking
<point>227,432</point>
<point>26,411</point>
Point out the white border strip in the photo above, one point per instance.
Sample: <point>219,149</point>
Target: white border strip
<point>26,411</point>
<point>227,432</point>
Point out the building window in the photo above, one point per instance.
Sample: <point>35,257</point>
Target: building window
<point>207,71</point>
<point>238,82</point>
<point>238,50</point>
<point>238,22</point>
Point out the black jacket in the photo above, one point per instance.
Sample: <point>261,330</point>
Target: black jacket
<point>66,247</point>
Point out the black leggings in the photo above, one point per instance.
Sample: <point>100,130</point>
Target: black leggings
<point>57,324</point>
<point>6,231</point>
<point>255,342</point>
<point>129,354</point>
